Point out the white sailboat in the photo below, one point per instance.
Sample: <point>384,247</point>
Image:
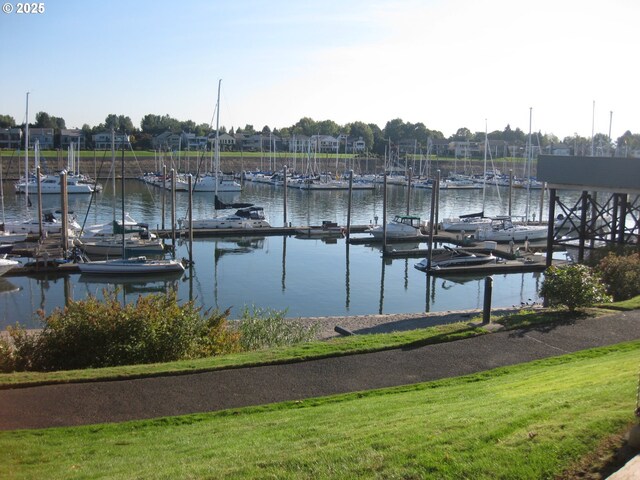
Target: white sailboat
<point>471,221</point>
<point>140,265</point>
<point>244,217</point>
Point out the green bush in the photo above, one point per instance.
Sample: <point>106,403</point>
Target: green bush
<point>265,328</point>
<point>621,274</point>
<point>92,333</point>
<point>574,286</point>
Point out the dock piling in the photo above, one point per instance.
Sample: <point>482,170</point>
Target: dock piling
<point>486,308</point>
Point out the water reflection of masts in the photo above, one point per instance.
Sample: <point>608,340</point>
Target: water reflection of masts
<point>284,261</point>
<point>347,282</point>
<point>381,309</point>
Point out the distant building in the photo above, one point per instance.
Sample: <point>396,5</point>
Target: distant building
<point>324,143</point>
<point>11,138</point>
<point>102,141</point>
<point>72,136</point>
<point>44,136</point>
<point>227,142</point>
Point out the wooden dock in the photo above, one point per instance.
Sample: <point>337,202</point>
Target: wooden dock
<point>48,254</point>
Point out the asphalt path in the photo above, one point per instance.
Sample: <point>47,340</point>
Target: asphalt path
<point>144,398</point>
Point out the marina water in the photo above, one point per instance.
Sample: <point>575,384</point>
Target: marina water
<point>305,277</point>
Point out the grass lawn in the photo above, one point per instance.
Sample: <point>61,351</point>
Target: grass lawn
<point>527,421</point>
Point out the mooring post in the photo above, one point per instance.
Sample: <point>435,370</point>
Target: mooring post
<point>409,178</point>
<point>348,232</point>
<point>488,291</point>
<point>284,170</point>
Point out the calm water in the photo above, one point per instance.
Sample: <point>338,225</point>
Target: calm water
<point>306,277</point>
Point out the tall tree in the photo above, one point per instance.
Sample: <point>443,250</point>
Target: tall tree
<point>7,121</point>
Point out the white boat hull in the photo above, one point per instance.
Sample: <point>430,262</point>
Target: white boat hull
<point>130,266</point>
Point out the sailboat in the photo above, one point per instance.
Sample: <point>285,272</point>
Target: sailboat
<point>129,266</point>
<point>248,216</point>
<point>471,221</point>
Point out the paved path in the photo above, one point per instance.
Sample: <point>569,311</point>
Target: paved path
<point>116,401</point>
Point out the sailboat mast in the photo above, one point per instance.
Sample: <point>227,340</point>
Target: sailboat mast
<point>26,153</point>
<point>122,195</point>
<point>217,147</point>
<point>529,160</point>
<point>484,182</point>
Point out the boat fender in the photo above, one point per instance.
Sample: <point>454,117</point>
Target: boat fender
<point>343,331</point>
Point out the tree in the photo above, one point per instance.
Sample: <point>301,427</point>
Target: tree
<point>44,120</point>
<point>358,130</point>
<point>118,122</point>
<point>462,134</point>
<point>7,121</point>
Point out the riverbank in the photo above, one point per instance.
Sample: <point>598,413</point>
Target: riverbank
<point>393,322</point>
<point>97,164</point>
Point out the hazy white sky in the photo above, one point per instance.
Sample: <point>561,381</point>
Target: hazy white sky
<point>445,63</point>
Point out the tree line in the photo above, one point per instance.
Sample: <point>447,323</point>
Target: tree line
<point>376,139</point>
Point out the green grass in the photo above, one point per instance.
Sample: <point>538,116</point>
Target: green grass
<point>631,304</point>
<point>529,421</point>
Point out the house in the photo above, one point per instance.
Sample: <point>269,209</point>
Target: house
<point>71,136</point>
<point>324,143</point>
<point>44,137</point>
<point>358,146</point>
<point>102,141</point>
<point>11,137</point>
<point>227,142</point>
<point>167,141</point>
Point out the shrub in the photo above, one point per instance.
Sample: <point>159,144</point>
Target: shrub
<point>573,286</point>
<point>621,274</point>
<point>265,328</point>
<point>92,333</point>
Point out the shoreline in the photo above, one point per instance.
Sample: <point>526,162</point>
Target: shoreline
<point>391,322</point>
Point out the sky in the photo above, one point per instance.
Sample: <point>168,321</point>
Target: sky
<point>559,67</point>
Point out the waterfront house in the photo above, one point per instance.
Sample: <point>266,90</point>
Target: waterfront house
<point>10,138</point>
<point>102,141</point>
<point>71,136</point>
<point>42,135</point>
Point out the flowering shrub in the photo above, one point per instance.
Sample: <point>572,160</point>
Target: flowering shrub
<point>621,274</point>
<point>574,286</point>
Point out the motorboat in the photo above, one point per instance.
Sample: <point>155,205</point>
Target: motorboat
<point>464,223</point>
<point>7,264</point>
<point>455,257</point>
<point>402,226</point>
<point>50,224</point>
<point>8,237</point>
<point>248,217</point>
<point>131,266</point>
<point>502,229</point>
